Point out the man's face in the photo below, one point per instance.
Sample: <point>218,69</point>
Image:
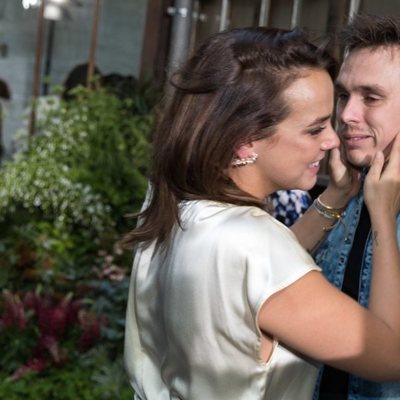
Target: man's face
<point>368,106</point>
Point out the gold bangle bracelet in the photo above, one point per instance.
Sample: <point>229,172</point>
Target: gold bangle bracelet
<point>329,213</point>
<point>326,207</point>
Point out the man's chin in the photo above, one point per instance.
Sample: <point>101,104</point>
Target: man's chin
<point>359,161</point>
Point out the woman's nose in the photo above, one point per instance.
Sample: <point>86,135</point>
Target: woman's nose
<point>331,140</point>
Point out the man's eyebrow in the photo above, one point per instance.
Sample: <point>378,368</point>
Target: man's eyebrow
<point>339,86</point>
<point>320,120</point>
<point>361,88</point>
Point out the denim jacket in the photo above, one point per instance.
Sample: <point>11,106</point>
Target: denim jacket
<point>332,256</point>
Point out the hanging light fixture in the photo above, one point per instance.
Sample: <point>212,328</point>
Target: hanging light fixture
<point>53,12</point>
<point>53,9</point>
<point>30,3</point>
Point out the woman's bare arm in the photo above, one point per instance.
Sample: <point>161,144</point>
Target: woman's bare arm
<point>314,318</point>
<point>317,320</point>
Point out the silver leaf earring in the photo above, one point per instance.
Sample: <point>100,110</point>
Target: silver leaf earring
<point>240,162</point>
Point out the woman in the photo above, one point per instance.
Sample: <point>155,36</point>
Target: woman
<point>224,301</point>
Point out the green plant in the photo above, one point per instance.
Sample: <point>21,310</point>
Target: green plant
<point>87,165</point>
<point>109,374</point>
<point>38,252</point>
<point>72,187</point>
<point>63,201</point>
<point>76,381</point>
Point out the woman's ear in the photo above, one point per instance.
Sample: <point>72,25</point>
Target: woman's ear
<point>244,151</point>
<point>244,155</point>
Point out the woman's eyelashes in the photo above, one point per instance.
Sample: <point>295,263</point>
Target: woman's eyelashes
<point>317,130</point>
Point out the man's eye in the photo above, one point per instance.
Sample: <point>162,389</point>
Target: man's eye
<point>371,99</point>
<point>342,97</point>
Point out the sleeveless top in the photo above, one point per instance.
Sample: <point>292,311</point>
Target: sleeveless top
<point>191,323</point>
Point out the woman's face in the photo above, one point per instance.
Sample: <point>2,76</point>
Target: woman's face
<point>290,158</point>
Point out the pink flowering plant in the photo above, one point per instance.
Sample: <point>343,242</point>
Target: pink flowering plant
<point>38,331</point>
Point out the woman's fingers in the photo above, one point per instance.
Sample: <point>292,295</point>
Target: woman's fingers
<point>375,171</point>
<point>382,183</point>
<point>393,163</point>
<point>342,175</point>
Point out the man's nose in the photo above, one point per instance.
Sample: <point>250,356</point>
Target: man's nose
<point>350,112</point>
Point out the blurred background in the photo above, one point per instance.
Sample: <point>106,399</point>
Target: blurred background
<point>79,84</point>
<point>41,42</point>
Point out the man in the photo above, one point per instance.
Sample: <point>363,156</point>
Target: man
<point>368,110</point>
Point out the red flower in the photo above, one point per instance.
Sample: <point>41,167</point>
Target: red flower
<point>53,319</point>
<point>55,322</point>
<point>30,300</point>
<point>14,314</point>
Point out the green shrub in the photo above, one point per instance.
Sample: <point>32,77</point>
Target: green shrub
<point>63,205</point>
<point>79,381</point>
<point>86,168</point>
<point>78,178</point>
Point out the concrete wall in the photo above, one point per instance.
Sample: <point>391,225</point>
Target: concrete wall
<point>119,48</point>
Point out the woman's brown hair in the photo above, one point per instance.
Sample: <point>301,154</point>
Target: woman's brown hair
<point>228,93</point>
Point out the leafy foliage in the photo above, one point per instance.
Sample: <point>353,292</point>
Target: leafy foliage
<point>87,165</point>
<point>63,205</point>
<point>79,381</point>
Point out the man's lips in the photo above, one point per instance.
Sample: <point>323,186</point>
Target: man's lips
<point>354,133</point>
<point>356,139</point>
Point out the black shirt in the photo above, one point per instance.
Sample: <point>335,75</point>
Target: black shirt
<point>334,382</point>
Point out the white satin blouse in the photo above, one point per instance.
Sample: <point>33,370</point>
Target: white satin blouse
<point>191,323</point>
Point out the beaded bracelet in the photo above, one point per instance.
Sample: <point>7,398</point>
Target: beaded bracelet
<point>328,212</point>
